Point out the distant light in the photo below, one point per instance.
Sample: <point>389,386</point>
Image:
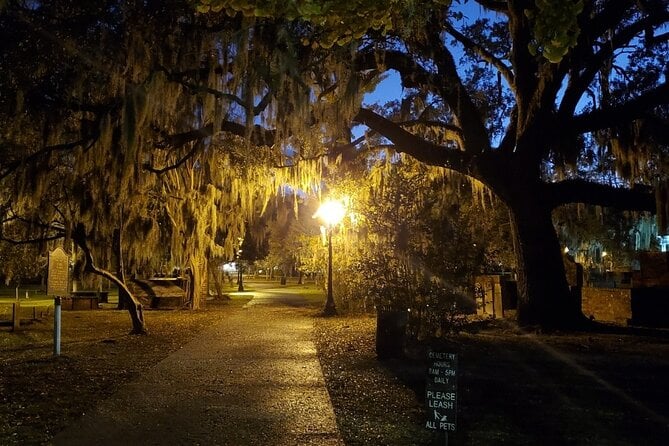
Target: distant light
<point>604,253</point>
<point>229,267</point>
<point>566,249</point>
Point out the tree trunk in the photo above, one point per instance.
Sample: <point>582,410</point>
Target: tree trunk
<point>217,276</point>
<point>197,266</point>
<point>123,297</point>
<point>544,297</point>
<point>134,306</point>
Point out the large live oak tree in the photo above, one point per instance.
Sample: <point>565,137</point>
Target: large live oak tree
<point>552,92</point>
<point>556,111</point>
<point>107,113</point>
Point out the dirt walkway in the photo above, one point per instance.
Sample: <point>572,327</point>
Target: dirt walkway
<point>254,379</point>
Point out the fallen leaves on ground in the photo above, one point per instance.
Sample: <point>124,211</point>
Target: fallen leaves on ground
<point>373,406</point>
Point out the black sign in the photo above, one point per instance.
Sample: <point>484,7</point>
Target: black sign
<point>441,391</point>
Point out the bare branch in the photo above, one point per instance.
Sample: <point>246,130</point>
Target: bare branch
<point>10,167</point>
<point>582,77</point>
<point>494,5</point>
<point>29,241</point>
<point>148,167</point>
<point>482,52</point>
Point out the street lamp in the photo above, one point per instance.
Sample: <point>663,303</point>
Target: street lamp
<point>240,273</point>
<point>331,213</point>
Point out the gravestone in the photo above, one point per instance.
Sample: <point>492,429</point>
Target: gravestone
<point>57,283</point>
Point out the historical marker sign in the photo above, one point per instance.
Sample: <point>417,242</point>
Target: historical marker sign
<point>57,282</point>
<point>441,391</point>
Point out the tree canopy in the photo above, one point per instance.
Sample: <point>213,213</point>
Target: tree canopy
<point>183,117</point>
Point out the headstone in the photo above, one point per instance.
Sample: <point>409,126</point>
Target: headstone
<point>653,270</point>
<point>441,391</point>
<point>57,283</point>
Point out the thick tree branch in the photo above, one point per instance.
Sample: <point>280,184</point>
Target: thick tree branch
<point>639,198</point>
<point>508,143</point>
<point>29,241</point>
<point>595,23</point>
<point>412,74</point>
<point>415,146</point>
<point>259,135</point>
<point>160,170</point>
<point>524,64</point>
<point>621,114</point>
<point>182,78</point>
<point>452,132</point>
<point>451,88</point>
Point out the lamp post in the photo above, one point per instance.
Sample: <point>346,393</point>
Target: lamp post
<point>240,272</point>
<point>331,213</point>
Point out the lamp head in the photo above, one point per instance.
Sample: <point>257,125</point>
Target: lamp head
<point>331,212</point>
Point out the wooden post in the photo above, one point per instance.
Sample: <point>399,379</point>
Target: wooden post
<point>16,318</point>
<point>56,327</point>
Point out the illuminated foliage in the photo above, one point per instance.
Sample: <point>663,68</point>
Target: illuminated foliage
<point>555,26</point>
<point>335,22</point>
<point>410,231</point>
<point>127,122</point>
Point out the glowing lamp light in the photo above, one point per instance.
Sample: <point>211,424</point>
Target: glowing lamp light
<point>331,212</point>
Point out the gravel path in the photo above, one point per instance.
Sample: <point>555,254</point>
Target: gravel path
<point>253,379</point>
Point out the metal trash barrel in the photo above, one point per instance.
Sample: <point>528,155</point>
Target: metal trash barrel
<point>391,325</point>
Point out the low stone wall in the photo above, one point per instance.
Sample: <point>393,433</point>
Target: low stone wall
<point>648,307</point>
<point>607,304</point>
